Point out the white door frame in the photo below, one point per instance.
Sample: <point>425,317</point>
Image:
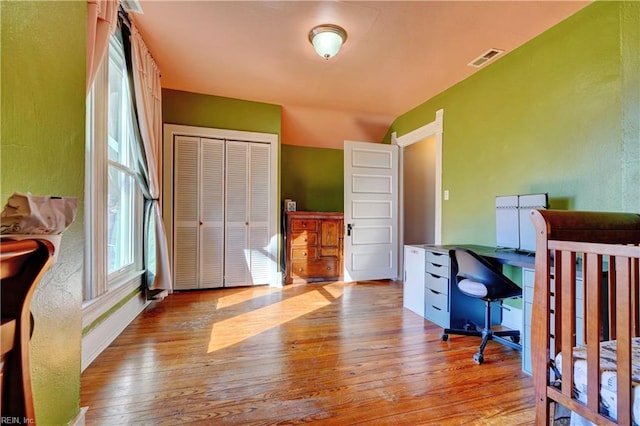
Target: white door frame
<point>434,128</point>
<point>205,132</point>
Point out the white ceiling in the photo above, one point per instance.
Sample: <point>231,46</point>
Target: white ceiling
<point>397,55</point>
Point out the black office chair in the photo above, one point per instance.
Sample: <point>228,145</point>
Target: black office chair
<point>476,277</point>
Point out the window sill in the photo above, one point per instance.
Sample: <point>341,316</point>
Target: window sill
<point>95,308</point>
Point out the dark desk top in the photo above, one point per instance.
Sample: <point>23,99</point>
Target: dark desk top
<point>504,256</point>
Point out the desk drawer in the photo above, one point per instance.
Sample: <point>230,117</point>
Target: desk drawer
<point>528,294</point>
<point>437,308</point>
<point>436,258</point>
<point>437,270</point>
<point>439,300</point>
<point>526,351</point>
<point>528,310</point>
<point>436,283</point>
<point>528,277</point>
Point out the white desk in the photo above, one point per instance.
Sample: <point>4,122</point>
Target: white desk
<point>428,290</point>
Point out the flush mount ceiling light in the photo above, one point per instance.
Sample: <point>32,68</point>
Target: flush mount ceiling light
<point>327,39</point>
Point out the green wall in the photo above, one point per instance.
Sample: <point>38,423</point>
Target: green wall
<point>313,178</point>
<point>630,103</point>
<point>193,109</point>
<point>557,115</point>
<point>42,56</point>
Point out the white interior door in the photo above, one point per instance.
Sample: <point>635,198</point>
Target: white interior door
<point>370,211</point>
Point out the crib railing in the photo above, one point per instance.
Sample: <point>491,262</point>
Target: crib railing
<point>600,251</point>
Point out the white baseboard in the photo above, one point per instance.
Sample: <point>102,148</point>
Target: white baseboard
<point>98,339</point>
<point>79,420</point>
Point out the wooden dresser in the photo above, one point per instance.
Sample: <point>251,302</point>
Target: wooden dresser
<point>314,244</point>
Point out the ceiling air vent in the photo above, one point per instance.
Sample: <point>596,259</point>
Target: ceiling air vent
<point>485,57</point>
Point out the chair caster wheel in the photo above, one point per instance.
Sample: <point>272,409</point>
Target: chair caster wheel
<point>445,337</point>
<point>478,358</point>
<point>515,339</point>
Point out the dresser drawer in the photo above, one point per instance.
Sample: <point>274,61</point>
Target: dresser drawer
<point>304,239</point>
<point>303,253</point>
<point>437,270</point>
<point>301,224</point>
<point>317,269</point>
<point>437,283</point>
<point>436,258</point>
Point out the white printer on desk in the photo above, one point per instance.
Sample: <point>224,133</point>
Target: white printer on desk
<point>514,229</point>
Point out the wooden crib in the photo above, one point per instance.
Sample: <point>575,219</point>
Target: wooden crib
<point>586,262</point>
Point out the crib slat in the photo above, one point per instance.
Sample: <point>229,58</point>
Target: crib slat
<point>622,265</point>
<point>611,308</point>
<point>566,326</point>
<point>593,283</point>
<point>635,295</point>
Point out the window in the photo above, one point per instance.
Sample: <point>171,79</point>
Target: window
<point>122,186</point>
<point>114,202</point>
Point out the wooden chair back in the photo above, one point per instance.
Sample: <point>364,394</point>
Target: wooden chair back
<point>22,265</point>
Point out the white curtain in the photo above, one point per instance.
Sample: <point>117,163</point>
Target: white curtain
<point>148,98</point>
<point>102,19</point>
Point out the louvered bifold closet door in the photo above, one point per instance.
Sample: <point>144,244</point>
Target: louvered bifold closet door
<point>198,212</point>
<point>211,213</point>
<point>259,213</point>
<point>247,218</point>
<point>186,184</point>
<point>236,267</point>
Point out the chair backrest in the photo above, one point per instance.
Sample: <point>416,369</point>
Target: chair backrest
<point>22,265</point>
<point>469,265</point>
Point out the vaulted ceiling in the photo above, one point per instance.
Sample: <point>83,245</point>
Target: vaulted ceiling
<point>397,54</point>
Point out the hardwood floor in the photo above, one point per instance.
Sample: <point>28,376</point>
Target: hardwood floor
<point>325,353</point>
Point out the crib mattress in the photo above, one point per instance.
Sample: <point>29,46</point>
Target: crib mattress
<point>608,379</point>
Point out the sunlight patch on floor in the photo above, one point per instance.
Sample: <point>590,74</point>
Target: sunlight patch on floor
<point>234,330</point>
<point>335,290</point>
<point>243,296</point>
